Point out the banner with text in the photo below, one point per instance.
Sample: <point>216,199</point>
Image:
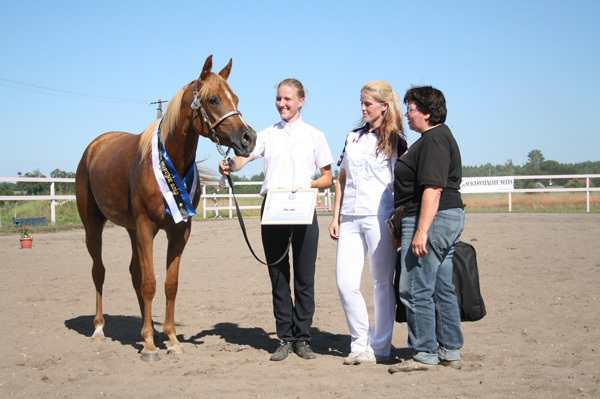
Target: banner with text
<point>491,184</point>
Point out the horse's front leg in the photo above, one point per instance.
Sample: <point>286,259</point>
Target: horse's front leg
<point>177,237</point>
<point>144,241</point>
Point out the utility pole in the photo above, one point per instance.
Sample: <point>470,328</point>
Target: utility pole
<point>159,114</point>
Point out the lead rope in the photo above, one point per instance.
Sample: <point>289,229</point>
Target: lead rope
<point>243,226</point>
<point>197,105</point>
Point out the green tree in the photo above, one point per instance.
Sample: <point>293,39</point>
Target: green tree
<point>510,167</point>
<point>575,183</point>
<point>33,188</point>
<point>7,188</point>
<point>534,165</point>
<point>63,188</point>
<point>552,168</point>
<point>258,177</point>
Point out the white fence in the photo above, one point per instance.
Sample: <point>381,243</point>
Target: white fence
<point>324,201</point>
<point>496,184</point>
<point>52,197</point>
<point>326,197</point>
<point>501,187</point>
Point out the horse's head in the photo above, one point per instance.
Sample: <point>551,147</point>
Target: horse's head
<point>218,116</point>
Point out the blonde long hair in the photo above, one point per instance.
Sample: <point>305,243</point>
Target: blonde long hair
<point>392,124</point>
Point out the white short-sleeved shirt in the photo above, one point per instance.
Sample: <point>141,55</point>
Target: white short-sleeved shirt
<point>292,153</point>
<point>369,179</point>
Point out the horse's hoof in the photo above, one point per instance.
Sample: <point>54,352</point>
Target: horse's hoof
<point>98,335</point>
<point>150,356</point>
<point>174,350</point>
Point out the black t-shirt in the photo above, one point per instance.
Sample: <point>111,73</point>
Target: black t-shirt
<point>434,159</point>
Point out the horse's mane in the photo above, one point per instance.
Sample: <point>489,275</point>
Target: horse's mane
<point>171,118</point>
<point>168,125</point>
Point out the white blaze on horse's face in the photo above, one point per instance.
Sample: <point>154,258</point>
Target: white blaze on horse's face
<point>288,103</point>
<point>233,103</point>
<point>231,99</point>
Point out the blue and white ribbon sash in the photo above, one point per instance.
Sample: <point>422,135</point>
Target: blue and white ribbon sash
<point>176,194</point>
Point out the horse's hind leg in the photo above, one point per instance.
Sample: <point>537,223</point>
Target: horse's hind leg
<point>94,246</point>
<point>94,221</point>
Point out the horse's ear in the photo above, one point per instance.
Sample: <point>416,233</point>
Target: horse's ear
<point>227,70</point>
<point>207,68</point>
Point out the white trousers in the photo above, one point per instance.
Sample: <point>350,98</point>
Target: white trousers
<point>357,235</point>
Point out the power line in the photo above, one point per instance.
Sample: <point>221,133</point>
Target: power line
<point>70,94</point>
<point>160,102</point>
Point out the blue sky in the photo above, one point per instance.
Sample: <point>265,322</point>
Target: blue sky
<point>517,75</point>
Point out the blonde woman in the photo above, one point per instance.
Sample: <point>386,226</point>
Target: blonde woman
<point>363,201</point>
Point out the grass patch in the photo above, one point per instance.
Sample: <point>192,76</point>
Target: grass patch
<point>563,202</point>
<point>67,217</point>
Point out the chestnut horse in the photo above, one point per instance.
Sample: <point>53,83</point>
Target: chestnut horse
<point>117,181</point>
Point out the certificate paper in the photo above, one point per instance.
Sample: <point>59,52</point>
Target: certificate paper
<point>290,207</point>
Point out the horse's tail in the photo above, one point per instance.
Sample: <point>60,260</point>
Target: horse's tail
<point>206,173</point>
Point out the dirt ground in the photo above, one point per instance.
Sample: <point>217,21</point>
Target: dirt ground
<point>540,278</point>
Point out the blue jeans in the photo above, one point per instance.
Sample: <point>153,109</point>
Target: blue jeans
<point>427,291</point>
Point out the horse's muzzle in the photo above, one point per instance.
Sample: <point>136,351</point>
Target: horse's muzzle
<point>246,145</point>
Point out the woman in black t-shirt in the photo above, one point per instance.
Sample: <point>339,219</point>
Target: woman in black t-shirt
<point>427,180</point>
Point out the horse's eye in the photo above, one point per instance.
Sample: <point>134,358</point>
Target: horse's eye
<point>213,100</point>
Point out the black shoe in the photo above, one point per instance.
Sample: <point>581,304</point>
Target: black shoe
<point>285,348</point>
<point>303,350</point>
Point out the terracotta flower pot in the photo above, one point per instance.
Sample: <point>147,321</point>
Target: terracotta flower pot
<point>26,242</point>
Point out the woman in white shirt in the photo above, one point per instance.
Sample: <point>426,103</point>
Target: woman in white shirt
<point>363,201</point>
<point>293,150</point>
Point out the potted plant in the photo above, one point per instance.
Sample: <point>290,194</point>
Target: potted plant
<point>25,238</point>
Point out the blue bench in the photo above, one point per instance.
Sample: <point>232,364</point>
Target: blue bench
<point>21,222</point>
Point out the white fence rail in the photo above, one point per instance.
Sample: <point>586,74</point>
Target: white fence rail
<point>587,187</point>
<point>324,201</point>
<point>326,197</point>
<point>500,180</point>
<point>52,197</point>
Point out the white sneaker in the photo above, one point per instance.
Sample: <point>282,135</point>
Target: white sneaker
<point>368,357</point>
<point>351,359</point>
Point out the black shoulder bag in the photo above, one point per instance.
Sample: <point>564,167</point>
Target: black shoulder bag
<point>465,276</point>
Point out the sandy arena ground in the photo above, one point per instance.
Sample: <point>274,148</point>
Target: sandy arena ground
<point>540,278</point>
